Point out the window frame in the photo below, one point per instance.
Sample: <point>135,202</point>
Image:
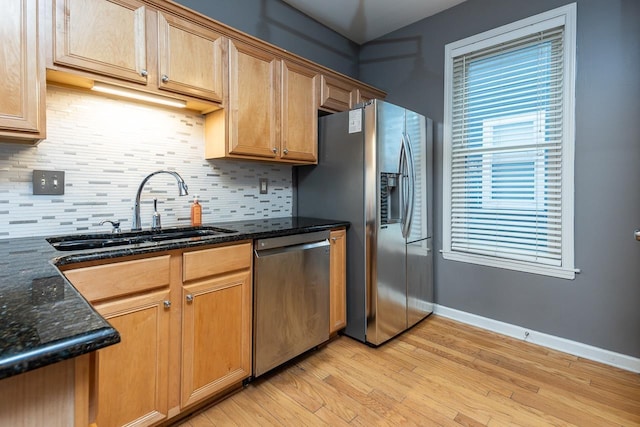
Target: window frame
<point>563,16</point>
<point>538,162</point>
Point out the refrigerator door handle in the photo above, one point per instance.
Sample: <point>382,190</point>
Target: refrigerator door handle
<point>402,190</point>
<point>412,179</point>
<point>407,164</point>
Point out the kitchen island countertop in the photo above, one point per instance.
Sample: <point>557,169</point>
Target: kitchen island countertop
<point>44,319</point>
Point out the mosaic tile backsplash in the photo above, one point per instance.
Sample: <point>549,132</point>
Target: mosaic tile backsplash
<point>106,147</point>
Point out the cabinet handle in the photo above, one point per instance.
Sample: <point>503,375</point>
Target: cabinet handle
<point>189,298</point>
<point>144,73</point>
<point>285,151</point>
<point>165,78</point>
<point>274,149</point>
<point>167,304</point>
<point>333,239</point>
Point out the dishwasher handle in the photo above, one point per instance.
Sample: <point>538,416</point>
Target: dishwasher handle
<point>290,240</point>
<point>295,248</point>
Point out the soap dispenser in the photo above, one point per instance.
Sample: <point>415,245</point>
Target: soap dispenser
<point>155,219</point>
<point>196,212</point>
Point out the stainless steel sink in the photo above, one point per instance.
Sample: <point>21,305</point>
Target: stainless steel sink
<point>95,241</point>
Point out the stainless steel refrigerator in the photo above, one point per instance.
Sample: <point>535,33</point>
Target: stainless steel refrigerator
<point>375,170</point>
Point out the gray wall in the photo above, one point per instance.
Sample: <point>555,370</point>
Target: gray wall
<point>601,306</point>
<point>278,23</point>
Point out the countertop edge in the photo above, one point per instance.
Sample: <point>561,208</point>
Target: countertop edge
<point>58,351</point>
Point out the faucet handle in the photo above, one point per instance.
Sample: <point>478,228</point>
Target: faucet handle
<point>114,224</point>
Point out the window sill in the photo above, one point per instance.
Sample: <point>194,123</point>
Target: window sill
<point>526,267</point>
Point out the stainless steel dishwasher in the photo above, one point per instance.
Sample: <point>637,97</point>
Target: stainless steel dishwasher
<point>291,297</point>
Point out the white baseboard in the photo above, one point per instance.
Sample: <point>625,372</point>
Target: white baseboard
<point>618,360</point>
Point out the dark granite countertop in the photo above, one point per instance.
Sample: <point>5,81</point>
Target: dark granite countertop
<point>44,319</point>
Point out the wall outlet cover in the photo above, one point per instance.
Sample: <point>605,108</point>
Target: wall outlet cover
<point>264,186</point>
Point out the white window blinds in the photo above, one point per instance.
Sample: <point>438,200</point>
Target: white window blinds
<point>506,142</point>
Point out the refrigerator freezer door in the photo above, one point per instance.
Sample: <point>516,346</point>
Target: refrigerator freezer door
<point>419,281</point>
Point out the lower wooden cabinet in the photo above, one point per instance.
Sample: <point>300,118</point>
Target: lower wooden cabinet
<point>54,395</point>
<point>338,280</point>
<point>216,321</point>
<point>131,377</point>
<point>184,319</point>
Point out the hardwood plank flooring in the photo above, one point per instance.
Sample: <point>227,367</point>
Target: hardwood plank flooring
<point>439,373</point>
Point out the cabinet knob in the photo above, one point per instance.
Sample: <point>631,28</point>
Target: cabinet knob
<point>167,304</point>
<point>144,73</point>
<point>285,151</point>
<point>165,78</point>
<point>274,149</point>
<point>189,298</point>
<point>333,239</point>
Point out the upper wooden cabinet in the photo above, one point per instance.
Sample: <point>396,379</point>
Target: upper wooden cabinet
<point>367,94</point>
<point>22,93</point>
<point>299,126</point>
<point>129,42</point>
<point>253,108</point>
<point>340,94</point>
<point>189,58</point>
<point>104,37</point>
<point>260,102</point>
<point>336,95</point>
<point>271,113</point>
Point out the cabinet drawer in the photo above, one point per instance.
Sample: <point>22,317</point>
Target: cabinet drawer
<point>121,278</point>
<point>209,262</point>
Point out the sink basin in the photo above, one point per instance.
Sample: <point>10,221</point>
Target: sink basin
<point>95,241</point>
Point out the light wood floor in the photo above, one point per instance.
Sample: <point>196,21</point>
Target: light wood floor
<point>439,373</point>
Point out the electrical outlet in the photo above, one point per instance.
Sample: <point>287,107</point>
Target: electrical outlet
<point>48,182</point>
<point>264,186</point>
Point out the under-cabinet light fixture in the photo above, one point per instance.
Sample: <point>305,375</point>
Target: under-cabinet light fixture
<point>141,96</point>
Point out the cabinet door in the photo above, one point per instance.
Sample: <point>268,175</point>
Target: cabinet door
<point>299,113</point>
<point>189,58</point>
<point>338,280</point>
<point>336,95</point>
<point>253,102</point>
<point>131,385</point>
<point>216,335</point>
<point>105,37</point>
<point>22,92</point>
<point>364,95</point>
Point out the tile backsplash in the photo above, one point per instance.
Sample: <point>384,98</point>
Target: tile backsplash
<point>106,147</point>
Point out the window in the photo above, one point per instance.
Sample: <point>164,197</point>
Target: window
<point>508,146</point>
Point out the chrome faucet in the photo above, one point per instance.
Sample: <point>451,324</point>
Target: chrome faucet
<point>182,187</point>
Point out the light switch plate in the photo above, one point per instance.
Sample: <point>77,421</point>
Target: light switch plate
<point>48,182</point>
